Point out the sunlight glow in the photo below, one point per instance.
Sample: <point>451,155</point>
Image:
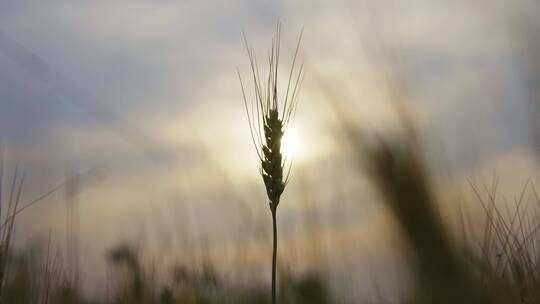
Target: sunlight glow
<point>290,144</point>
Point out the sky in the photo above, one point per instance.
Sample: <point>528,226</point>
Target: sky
<point>142,99</point>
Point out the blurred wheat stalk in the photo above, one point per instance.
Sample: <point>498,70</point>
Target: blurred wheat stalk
<point>268,119</point>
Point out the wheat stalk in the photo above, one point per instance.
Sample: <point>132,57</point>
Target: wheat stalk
<point>268,120</point>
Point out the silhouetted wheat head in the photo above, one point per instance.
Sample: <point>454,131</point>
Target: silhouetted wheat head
<point>269,118</point>
<point>269,115</point>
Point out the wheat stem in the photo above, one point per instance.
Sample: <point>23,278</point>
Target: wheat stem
<point>274,255</point>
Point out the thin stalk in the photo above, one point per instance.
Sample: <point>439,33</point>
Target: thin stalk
<point>274,255</point>
<point>267,127</point>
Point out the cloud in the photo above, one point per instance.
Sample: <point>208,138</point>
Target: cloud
<point>148,92</point>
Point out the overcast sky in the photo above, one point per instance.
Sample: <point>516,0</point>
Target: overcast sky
<point>146,92</point>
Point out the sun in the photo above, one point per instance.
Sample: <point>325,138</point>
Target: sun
<point>290,143</point>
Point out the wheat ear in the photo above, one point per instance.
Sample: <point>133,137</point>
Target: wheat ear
<point>268,121</point>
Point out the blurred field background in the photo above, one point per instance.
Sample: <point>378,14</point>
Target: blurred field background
<point>126,120</point>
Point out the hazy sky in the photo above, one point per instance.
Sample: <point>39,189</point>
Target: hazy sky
<point>147,93</point>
